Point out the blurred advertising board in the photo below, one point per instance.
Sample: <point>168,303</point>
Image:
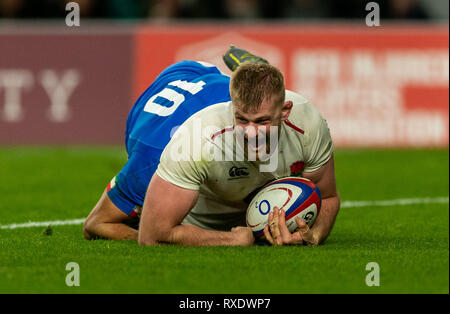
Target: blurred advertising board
<point>377,87</point>
<point>64,89</point>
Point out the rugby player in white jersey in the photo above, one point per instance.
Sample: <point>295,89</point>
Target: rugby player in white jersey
<point>198,199</point>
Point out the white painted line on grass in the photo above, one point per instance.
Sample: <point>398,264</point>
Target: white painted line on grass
<point>400,201</point>
<point>345,204</point>
<point>44,223</point>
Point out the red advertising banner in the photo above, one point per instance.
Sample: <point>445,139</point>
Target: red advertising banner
<point>386,87</point>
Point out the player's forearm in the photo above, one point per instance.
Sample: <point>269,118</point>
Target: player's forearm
<point>189,235</point>
<point>325,221</point>
<point>195,236</point>
<point>113,231</point>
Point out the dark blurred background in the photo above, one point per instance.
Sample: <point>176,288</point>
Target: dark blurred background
<point>225,9</point>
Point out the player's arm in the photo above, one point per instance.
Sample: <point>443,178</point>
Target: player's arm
<point>324,177</point>
<point>106,221</point>
<point>320,152</point>
<point>164,209</point>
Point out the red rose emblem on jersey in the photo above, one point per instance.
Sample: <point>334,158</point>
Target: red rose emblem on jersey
<point>297,168</point>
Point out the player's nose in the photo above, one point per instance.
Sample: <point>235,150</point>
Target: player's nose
<point>251,131</point>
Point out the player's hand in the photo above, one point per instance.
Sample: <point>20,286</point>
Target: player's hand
<point>243,236</point>
<point>277,232</point>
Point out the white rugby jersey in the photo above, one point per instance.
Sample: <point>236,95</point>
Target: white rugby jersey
<point>225,186</point>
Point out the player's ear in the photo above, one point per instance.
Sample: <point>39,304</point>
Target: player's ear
<point>286,109</point>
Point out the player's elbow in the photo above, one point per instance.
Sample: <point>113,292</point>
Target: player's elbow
<point>146,241</point>
<point>152,235</point>
<point>146,238</point>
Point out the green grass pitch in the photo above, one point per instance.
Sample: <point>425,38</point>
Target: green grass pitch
<point>409,242</point>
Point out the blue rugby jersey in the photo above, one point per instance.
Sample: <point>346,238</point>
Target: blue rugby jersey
<point>177,93</point>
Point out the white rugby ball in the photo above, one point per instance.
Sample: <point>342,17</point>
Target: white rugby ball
<point>298,197</point>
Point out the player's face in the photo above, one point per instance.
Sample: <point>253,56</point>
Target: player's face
<point>255,125</point>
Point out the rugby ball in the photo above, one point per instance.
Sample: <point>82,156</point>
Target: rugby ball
<point>298,197</point>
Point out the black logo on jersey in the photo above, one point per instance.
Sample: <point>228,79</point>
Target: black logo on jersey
<point>237,172</point>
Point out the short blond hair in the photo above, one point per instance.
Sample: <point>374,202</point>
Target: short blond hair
<point>252,83</point>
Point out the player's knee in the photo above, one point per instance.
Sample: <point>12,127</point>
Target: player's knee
<point>86,234</point>
<point>89,228</point>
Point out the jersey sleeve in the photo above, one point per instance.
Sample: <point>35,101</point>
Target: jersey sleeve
<point>320,146</point>
<point>180,165</point>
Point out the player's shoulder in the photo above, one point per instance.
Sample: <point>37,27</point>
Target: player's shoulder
<point>195,137</point>
<point>304,115</point>
<point>217,115</point>
<point>211,119</point>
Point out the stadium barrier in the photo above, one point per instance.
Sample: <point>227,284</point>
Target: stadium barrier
<point>377,87</point>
